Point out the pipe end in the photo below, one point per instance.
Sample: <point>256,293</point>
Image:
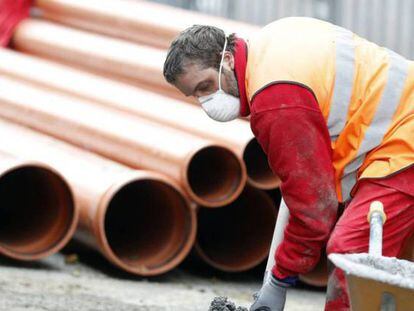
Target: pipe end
<point>215,176</point>
<point>259,173</point>
<point>237,237</point>
<point>148,227</point>
<point>38,214</point>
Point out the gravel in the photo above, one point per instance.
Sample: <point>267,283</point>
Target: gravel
<point>84,280</point>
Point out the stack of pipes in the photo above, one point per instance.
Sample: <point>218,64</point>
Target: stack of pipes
<point>149,174</point>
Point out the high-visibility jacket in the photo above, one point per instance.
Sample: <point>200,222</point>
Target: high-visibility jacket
<point>365,93</point>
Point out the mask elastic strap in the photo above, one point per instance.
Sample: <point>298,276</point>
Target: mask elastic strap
<point>221,62</point>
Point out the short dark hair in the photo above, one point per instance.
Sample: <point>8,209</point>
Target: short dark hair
<point>199,43</point>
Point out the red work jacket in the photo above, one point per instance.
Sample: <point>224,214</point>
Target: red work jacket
<point>11,13</point>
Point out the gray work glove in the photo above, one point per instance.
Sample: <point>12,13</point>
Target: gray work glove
<point>271,297</point>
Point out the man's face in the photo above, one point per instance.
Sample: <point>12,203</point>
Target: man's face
<point>198,81</point>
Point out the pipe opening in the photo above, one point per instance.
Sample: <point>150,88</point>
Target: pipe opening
<point>259,172</point>
<point>237,237</point>
<point>215,175</point>
<point>147,225</point>
<point>36,212</point>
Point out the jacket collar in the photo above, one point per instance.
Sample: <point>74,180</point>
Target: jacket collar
<point>240,61</point>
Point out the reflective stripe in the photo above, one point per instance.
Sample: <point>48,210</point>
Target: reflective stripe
<point>347,183</point>
<point>386,109</point>
<point>349,177</point>
<point>344,81</point>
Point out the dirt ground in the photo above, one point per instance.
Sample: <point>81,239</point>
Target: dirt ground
<point>91,283</point>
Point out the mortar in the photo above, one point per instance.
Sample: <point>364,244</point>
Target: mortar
<point>223,304</point>
<point>376,282</point>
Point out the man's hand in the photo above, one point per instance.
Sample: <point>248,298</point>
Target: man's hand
<point>271,297</point>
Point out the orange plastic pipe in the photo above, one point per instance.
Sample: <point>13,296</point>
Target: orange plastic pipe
<point>138,21</point>
<point>236,134</point>
<point>38,213</point>
<point>117,59</point>
<point>210,173</point>
<point>139,220</point>
<point>237,237</point>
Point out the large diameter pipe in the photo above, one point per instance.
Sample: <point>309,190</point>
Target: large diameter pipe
<point>237,237</point>
<point>210,173</point>
<point>38,213</point>
<point>236,134</point>
<point>139,21</point>
<point>117,59</point>
<point>139,220</point>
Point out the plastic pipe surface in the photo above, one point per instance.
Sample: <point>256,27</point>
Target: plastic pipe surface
<point>117,59</point>
<point>139,21</point>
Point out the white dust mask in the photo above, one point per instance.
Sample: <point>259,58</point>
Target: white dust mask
<point>221,106</point>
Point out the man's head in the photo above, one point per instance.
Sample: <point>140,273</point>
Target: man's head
<point>193,62</point>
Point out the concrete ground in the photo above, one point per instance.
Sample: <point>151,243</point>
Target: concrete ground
<point>91,283</point>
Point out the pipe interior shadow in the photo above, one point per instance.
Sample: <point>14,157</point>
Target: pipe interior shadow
<point>214,174</point>
<point>147,224</point>
<point>36,210</point>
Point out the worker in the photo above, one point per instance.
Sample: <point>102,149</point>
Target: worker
<point>334,114</point>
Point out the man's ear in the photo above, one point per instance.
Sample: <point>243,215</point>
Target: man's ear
<point>229,59</point>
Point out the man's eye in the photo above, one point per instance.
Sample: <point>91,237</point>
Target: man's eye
<point>204,89</point>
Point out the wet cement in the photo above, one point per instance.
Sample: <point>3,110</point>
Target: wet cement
<point>224,304</point>
<point>387,270</point>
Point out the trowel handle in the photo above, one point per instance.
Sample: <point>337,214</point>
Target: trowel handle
<point>376,219</point>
